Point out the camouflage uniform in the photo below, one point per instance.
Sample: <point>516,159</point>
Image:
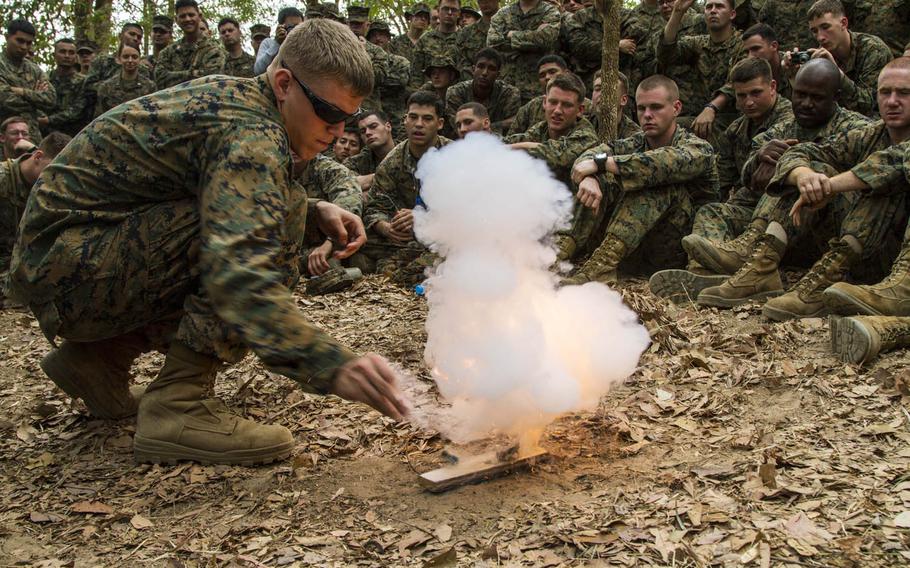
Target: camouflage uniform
<point>362,163</point>
<point>708,63</point>
<point>626,128</point>
<point>380,60</point>
<point>395,187</point>
<point>531,113</point>
<point>790,23</point>
<point>875,218</point>
<point>720,222</point>
<point>13,194</point>
<point>182,61</point>
<point>117,90</point>
<point>652,201</point>
<point>401,45</point>
<point>67,114</point>
<point>468,42</point>
<point>584,36</point>
<point>887,19</point>
<point>536,34</point>
<point>241,66</point>
<point>393,92</point>
<point>103,68</point>
<point>175,215</point>
<point>559,154</point>
<point>431,45</point>
<point>324,178</point>
<point>503,103</point>
<point>32,102</point>
<point>868,54</point>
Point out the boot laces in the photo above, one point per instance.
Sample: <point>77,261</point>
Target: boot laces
<point>817,277</point>
<point>740,245</point>
<point>898,271</point>
<point>896,332</point>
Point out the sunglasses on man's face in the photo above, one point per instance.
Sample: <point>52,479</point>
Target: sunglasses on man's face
<point>323,108</point>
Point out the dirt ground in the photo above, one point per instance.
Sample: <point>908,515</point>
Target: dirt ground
<point>738,442</point>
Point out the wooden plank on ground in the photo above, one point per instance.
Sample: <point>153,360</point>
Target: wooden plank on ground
<point>476,468</point>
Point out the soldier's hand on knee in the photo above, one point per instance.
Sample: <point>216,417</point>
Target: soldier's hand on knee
<point>369,379</point>
<point>704,123</point>
<point>589,193</point>
<point>403,222</point>
<point>814,187</point>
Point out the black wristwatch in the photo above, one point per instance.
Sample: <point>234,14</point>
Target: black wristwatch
<point>600,160</point>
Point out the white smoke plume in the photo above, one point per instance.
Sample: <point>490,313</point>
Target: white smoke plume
<point>508,350</point>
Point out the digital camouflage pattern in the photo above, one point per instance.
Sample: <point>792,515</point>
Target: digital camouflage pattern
<point>401,45</point>
<point>503,104</point>
<point>67,116</point>
<point>790,23</point>
<point>583,32</point>
<point>559,153</point>
<point>393,92</point>
<point>708,65</point>
<point>241,66</point>
<point>887,19</point>
<point>182,61</point>
<point>626,129</point>
<point>395,185</point>
<point>380,60</point>
<point>103,68</point>
<point>324,178</point>
<point>531,113</point>
<point>118,90</point>
<point>38,95</point>
<point>535,33</point>
<point>645,25</point>
<point>656,193</point>
<point>433,44</point>
<point>13,194</point>
<point>362,163</point>
<point>868,54</point>
<point>468,42</point>
<point>874,215</point>
<point>176,210</point>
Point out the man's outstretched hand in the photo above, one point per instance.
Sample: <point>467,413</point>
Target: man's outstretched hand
<point>369,379</point>
<point>342,227</point>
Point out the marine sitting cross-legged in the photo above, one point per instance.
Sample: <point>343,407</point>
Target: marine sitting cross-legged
<point>171,223</point>
<point>648,188</point>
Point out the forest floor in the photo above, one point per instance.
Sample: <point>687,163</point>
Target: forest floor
<point>737,442</point>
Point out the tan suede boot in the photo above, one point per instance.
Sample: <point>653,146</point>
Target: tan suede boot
<point>175,422</point>
<point>602,266</point>
<point>98,372</point>
<point>805,299</point>
<point>758,279</point>
<point>890,297</point>
<point>565,247</point>
<point>727,257</point>
<point>860,339</point>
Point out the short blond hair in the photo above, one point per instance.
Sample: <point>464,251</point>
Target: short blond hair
<point>323,48</point>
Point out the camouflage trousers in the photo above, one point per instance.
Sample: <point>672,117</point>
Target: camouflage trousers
<point>403,264</point>
<point>721,222</point>
<point>143,280</point>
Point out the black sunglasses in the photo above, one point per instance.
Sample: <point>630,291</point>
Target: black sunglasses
<point>323,108</point>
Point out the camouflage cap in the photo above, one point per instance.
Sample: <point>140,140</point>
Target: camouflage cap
<point>471,10</point>
<point>358,13</point>
<point>379,26</point>
<point>330,11</point>
<point>86,45</point>
<point>314,11</point>
<point>260,30</point>
<point>440,61</point>
<point>418,8</point>
<point>163,22</point>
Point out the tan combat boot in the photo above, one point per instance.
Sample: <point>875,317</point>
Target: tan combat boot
<point>890,297</point>
<point>758,279</point>
<point>805,299</point>
<point>565,247</point>
<point>98,372</point>
<point>602,266</point>
<point>727,257</point>
<point>860,339</point>
<point>681,286</point>
<point>175,422</point>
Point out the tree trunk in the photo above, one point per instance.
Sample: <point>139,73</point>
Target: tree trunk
<point>82,15</point>
<point>101,22</point>
<point>609,10</point>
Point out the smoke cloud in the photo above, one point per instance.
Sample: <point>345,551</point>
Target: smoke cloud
<point>509,351</point>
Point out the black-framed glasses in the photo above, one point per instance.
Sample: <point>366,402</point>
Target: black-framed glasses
<point>323,108</point>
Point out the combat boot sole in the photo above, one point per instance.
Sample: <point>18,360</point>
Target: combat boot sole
<point>680,286</point>
<point>147,450</point>
<point>701,251</point>
<point>721,302</point>
<point>844,304</point>
<point>853,342</point>
<point>74,381</point>
<point>780,314</point>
